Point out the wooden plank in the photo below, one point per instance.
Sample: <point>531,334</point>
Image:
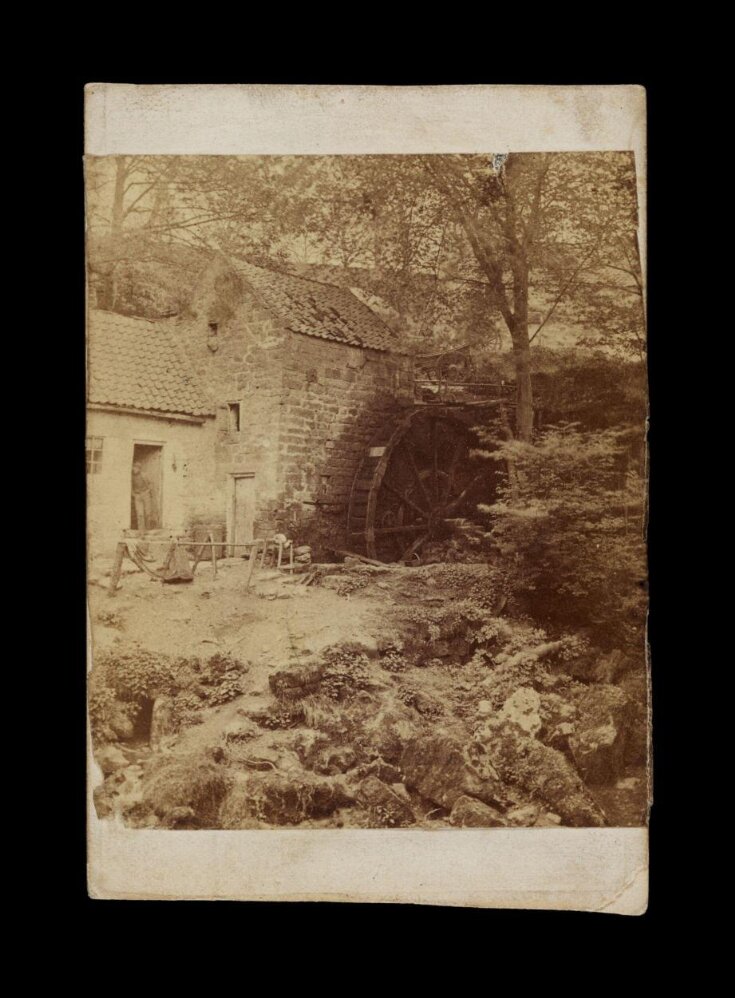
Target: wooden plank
<point>251,562</point>
<point>214,555</point>
<point>120,552</point>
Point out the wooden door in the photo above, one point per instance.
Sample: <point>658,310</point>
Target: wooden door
<point>243,515</point>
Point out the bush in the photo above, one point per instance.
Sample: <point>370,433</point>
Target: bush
<point>569,529</point>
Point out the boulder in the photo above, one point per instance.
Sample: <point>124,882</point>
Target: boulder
<point>186,781</point>
<point>468,812</point>
<point>110,758</point>
<point>382,769</point>
<point>548,820</point>
<point>542,773</point>
<point>386,733</point>
<point>163,720</point>
<point>598,745</point>
<point>180,817</point>
<point>523,816</point>
<point>120,723</point>
<point>635,686</point>
<point>281,800</point>
<point>330,761</point>
<point>297,682</point>
<point>523,709</point>
<point>386,808</point>
<point>439,768</point>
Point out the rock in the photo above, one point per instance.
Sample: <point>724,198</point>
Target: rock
<point>559,738</point>
<point>555,710</point>
<point>297,682</point>
<point>163,720</point>
<point>523,708</point>
<point>386,808</point>
<point>635,685</point>
<point>609,667</point>
<point>186,781</point>
<point>523,816</point>
<point>330,761</point>
<point>110,759</point>
<point>120,723</point>
<point>180,817</point>
<point>548,820</point>
<point>386,733</point>
<point>438,768</point>
<point>485,708</point>
<point>601,732</point>
<point>281,800</point>
<point>332,581</point>
<point>542,773</point>
<point>240,731</point>
<point>383,770</point>
<point>471,813</point>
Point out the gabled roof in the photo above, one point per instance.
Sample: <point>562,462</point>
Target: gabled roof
<point>135,363</point>
<point>316,309</point>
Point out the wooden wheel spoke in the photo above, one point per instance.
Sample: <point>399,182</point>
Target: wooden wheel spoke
<point>405,499</point>
<point>411,551</point>
<point>463,494</point>
<point>416,474</point>
<point>452,470</point>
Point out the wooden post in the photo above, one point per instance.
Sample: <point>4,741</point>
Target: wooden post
<point>214,554</point>
<point>280,555</point>
<point>251,563</point>
<point>290,557</point>
<point>120,551</point>
<point>198,558</point>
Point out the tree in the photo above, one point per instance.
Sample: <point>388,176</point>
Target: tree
<point>548,221</point>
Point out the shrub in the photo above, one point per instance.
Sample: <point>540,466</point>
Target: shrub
<point>345,672</point>
<point>568,527</point>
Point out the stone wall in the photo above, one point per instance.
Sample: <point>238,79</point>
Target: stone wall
<point>334,398</point>
<point>308,408</point>
<point>240,360</point>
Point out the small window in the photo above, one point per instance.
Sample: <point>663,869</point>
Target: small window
<point>213,328</point>
<point>94,455</point>
<point>233,414</point>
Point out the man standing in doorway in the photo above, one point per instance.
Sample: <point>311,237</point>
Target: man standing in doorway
<point>142,498</point>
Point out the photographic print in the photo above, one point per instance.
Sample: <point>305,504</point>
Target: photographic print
<point>366,493</point>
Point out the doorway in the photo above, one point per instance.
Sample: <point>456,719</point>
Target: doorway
<point>243,511</point>
<point>150,459</point>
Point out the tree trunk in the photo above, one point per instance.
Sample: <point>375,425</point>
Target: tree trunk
<point>524,392</point>
<point>521,345</point>
<point>109,292</point>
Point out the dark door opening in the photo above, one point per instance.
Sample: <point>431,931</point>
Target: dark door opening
<point>146,487</point>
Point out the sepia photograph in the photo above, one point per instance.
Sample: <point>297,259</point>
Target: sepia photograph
<point>366,492</point>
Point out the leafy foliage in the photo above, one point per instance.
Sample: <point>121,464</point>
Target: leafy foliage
<point>346,672</point>
<point>569,527</point>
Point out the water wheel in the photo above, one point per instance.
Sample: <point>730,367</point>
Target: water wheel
<point>416,480</point>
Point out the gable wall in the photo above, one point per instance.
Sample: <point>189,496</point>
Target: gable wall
<point>309,407</point>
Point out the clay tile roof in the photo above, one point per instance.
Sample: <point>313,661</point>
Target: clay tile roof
<point>317,309</point>
<point>136,363</point>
